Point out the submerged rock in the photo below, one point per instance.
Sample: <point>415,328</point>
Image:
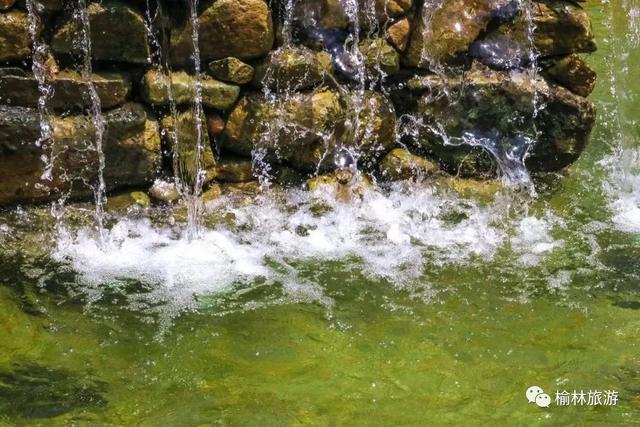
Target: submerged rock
<point>215,94</point>
<point>131,149</point>
<point>70,91</point>
<point>232,70</point>
<point>118,33</point>
<point>308,130</point>
<point>33,391</point>
<point>239,28</point>
<point>15,40</point>
<point>292,68</point>
<point>400,164</point>
<point>480,190</point>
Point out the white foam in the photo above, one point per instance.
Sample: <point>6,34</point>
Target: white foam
<point>394,237</point>
<point>533,238</point>
<point>624,187</point>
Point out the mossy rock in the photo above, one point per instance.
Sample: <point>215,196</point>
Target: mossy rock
<point>131,149</point>
<point>232,70</point>
<point>497,108</point>
<point>118,33</point>
<point>215,94</point>
<point>380,57</point>
<point>292,69</point>
<point>400,164</point>
<point>193,156</point>
<point>70,90</point>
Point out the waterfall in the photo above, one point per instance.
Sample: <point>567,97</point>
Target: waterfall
<point>508,151</point>
<point>622,46</point>
<point>192,191</point>
<point>81,14</point>
<point>40,71</point>
<point>160,61</point>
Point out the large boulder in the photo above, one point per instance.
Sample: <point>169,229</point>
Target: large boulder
<point>15,40</point>
<point>573,73</point>
<point>237,28</point>
<point>70,90</point>
<point>308,130</point>
<point>131,148</point>
<point>557,28</point>
<point>446,28</point>
<point>215,94</point>
<point>118,33</point>
<point>333,14</point>
<point>463,119</point>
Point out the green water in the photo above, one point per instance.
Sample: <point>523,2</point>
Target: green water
<point>458,345</point>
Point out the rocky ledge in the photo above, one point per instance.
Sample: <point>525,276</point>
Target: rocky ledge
<point>290,91</point>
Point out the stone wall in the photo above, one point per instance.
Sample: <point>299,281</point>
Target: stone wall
<point>288,84</point>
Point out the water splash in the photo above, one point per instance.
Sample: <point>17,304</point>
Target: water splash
<point>622,45</point>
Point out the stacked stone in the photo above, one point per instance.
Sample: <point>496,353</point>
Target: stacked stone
<point>414,58</point>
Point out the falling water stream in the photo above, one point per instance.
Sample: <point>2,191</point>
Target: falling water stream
<point>40,71</point>
<point>95,111</point>
<point>412,304</point>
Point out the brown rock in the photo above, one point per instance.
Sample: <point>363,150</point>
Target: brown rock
<point>575,74</point>
<point>398,34</point>
<point>6,4</point>
<point>231,70</point>
<point>447,28</point>
<point>70,91</point>
<point>131,149</point>
<point>215,124</point>
<point>15,40</point>
<point>229,28</point>
<point>235,171</point>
